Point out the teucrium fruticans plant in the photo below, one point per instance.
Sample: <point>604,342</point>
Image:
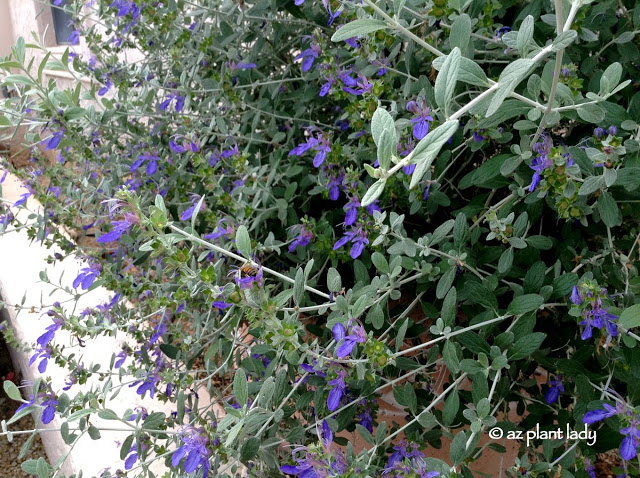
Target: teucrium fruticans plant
<point>311,207</point>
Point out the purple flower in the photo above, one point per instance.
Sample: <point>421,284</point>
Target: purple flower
<point>309,55</point>
<point>87,276</point>
<point>124,7</point>
<point>575,296</point>
<point>327,86</point>
<point>501,31</point>
<point>612,130</point>
<point>346,78</point>
<point>327,435</point>
<point>555,387</point>
<point>478,137</point>
<point>107,85</point>
<point>629,445</point>
<point>363,86</point>
<point>247,281</point>
<point>303,234</point>
<point>319,144</point>
<point>358,237</point>
<point>396,465</point>
<point>221,230</point>
<point>346,343</point>
<point>176,148</point>
<point>220,304</point>
<point>152,163</point>
<point>195,449</point>
<point>334,188</point>
<point>119,228</point>
<point>599,415</point>
<point>589,468</point>
<point>146,384</point>
<point>382,62</point>
<point>121,356</point>
<point>422,120</point>
<point>539,164</point>
<point>54,140</point>
<point>49,409</point>
<point>351,210</point>
<point>233,66</point>
<point>338,390</point>
<point>188,214</point>
<point>74,38</point>
<point>22,200</point>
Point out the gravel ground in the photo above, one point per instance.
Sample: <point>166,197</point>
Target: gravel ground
<point>9,463</point>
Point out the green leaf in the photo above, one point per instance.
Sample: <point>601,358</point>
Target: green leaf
<point>460,230</point>
<point>510,77</point>
<point>526,345</point>
<point>460,32</point>
<point>154,421</point>
<point>375,316</point>
<point>428,147</point>
<point>451,407</point>
<point>471,366</point>
<point>401,333</point>
<point>563,284</point>
<point>249,449</point>
<point>126,446</point>
<point>505,261</point>
<point>446,80</point>
<point>27,446</point>
<point>241,387</point>
<point>94,433</point>
<point>539,242</point>
<point>479,294</point>
<point>458,450</point>
<point>405,395</point>
<point>381,432</point>
<point>468,71</point>
<point>380,262</point>
<point>17,80</point>
<point>630,317</point>
<point>373,192</point>
<point>609,211</point>
<point>591,185</point>
<point>386,147</point>
<point>81,413</point>
<point>334,282</point>
<point>563,40</point>
<point>450,356</point>
<point>358,28</point>
<point>610,78</point>
<point>365,434</point>
<point>445,282</point>
<point>243,242</point>
<point>534,278</point>
<point>12,390</point>
<point>525,303</point>
<point>449,307</point>
<point>427,420</point>
<point>380,121</point>
<point>525,35</point>
<point>108,414</point>
<point>591,113</point>
<point>298,287</point>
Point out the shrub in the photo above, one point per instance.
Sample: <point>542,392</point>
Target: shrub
<point>299,206</point>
